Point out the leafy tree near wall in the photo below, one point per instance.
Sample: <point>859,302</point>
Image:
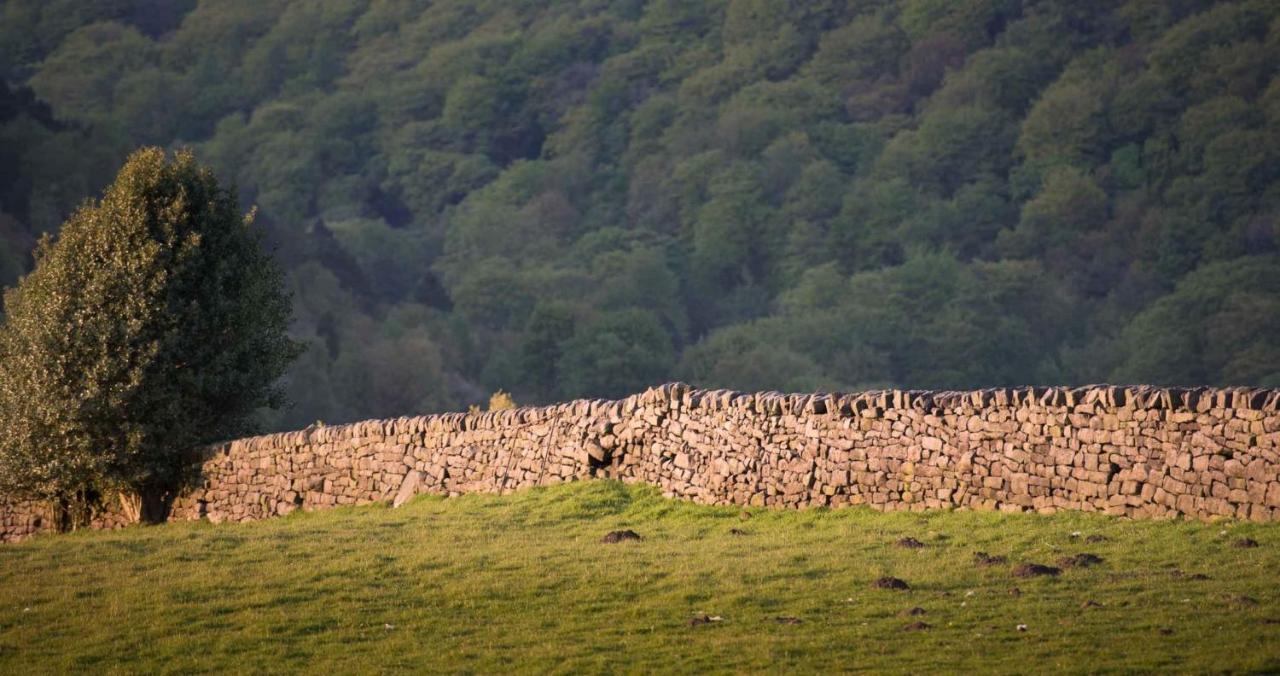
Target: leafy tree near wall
<point>153,324</point>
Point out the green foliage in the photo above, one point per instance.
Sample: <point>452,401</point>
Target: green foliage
<point>113,50</point>
<point>476,182</point>
<point>974,21</point>
<point>615,354</point>
<point>1227,315</point>
<point>1069,203</point>
<point>153,324</point>
<point>750,358</point>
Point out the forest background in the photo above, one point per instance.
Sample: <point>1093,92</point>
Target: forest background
<point>581,198</point>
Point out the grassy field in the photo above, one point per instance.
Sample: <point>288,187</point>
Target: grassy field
<point>523,582</point>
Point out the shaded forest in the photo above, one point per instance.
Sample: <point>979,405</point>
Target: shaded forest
<point>582,198</point>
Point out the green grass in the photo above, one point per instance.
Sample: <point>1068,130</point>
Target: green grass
<point>491,584</point>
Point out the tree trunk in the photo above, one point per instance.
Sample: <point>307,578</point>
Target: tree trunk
<point>74,511</point>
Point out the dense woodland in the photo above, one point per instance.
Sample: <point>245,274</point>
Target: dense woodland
<point>581,198</point>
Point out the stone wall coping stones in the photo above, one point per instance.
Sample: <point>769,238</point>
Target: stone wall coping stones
<point>680,396</point>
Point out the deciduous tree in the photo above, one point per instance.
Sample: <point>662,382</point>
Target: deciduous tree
<point>153,324</point>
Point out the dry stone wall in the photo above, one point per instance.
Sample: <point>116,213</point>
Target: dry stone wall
<point>1129,451</point>
<point>22,518</point>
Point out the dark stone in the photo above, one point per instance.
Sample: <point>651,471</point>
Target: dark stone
<point>1245,543</point>
<point>891,583</point>
<point>1091,604</point>
<point>913,612</point>
<point>909,543</point>
<point>737,531</point>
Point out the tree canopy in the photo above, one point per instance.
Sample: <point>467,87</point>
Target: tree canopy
<point>579,198</point>
<point>153,323</point>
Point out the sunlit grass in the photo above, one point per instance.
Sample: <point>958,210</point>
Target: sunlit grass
<point>489,583</point>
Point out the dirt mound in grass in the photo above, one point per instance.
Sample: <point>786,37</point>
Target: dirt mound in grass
<point>1080,561</point>
<point>614,537</point>
<point>984,559</point>
<point>1034,570</point>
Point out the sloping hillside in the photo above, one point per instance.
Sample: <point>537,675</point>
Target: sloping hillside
<point>569,199</point>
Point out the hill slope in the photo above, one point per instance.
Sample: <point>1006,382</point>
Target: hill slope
<point>488,584</point>
<point>578,199</point>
